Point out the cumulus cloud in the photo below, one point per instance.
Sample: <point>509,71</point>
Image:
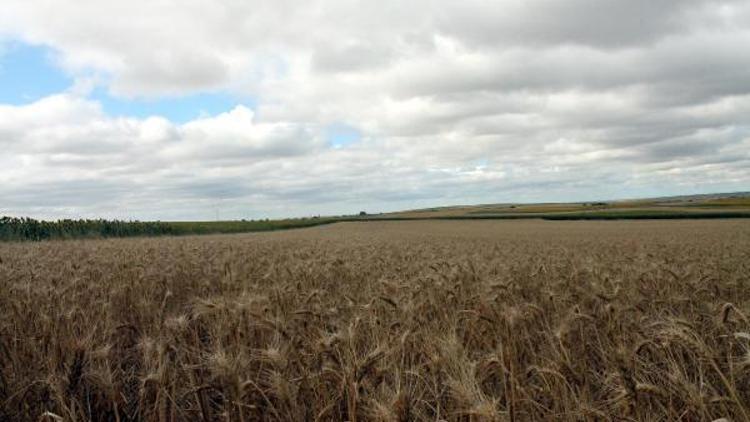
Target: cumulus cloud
<point>64,151</point>
<point>469,101</point>
<point>235,135</point>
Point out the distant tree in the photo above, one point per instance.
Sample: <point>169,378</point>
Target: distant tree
<point>30,229</point>
<point>362,213</point>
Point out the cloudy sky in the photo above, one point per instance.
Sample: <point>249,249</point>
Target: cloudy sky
<point>167,109</point>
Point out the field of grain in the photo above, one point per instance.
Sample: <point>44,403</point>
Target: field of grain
<point>383,321</point>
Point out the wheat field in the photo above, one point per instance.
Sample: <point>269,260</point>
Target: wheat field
<point>383,321</point>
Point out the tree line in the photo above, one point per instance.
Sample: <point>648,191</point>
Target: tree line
<point>12,228</point>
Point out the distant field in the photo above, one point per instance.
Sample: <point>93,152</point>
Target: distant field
<point>644,214</point>
<point>689,207</point>
<point>617,214</point>
<point>561,213</point>
<point>723,202</point>
<point>383,321</point>
<point>218,227</point>
<point>693,207</point>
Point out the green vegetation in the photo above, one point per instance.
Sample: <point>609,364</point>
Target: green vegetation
<point>731,202</point>
<point>244,226</point>
<point>528,209</point>
<point>646,214</point>
<point>30,229</point>
<point>735,205</point>
<point>615,214</point>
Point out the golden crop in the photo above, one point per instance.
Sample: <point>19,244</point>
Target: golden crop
<point>391,321</point>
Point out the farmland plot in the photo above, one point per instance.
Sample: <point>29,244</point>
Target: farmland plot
<point>388,321</point>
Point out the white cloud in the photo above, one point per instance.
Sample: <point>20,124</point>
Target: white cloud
<point>579,99</point>
<point>235,136</point>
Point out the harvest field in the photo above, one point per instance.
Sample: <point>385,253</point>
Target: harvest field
<point>389,321</point>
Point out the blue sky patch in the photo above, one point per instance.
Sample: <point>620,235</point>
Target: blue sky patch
<point>176,109</point>
<point>480,163</point>
<point>28,73</point>
<point>340,135</point>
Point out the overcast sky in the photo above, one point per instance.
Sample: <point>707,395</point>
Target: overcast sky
<point>184,109</point>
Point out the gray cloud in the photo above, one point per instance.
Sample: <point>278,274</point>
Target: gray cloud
<point>597,23</point>
<point>351,57</point>
<point>462,102</point>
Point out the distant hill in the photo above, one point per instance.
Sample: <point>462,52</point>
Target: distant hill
<point>698,206</point>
